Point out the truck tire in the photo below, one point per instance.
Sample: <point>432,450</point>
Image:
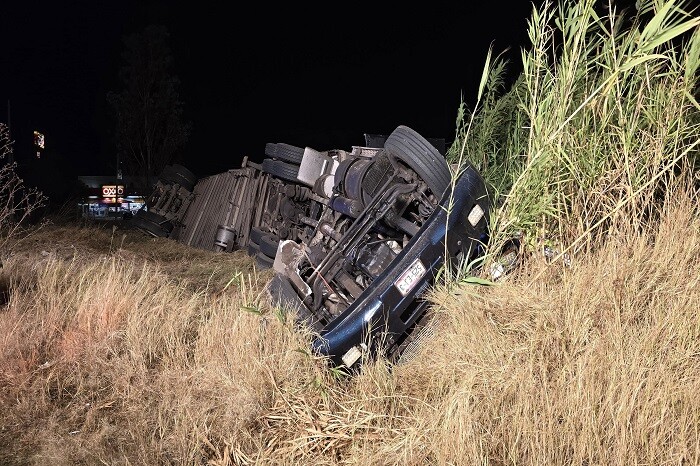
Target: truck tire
<point>188,178</point>
<point>156,219</point>
<point>253,249</point>
<point>421,156</point>
<point>167,175</point>
<point>284,152</point>
<point>282,170</point>
<point>177,174</point>
<point>268,245</point>
<point>256,234</point>
<point>148,227</point>
<point>263,261</point>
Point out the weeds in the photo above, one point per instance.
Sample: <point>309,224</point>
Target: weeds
<point>603,120</point>
<point>17,202</point>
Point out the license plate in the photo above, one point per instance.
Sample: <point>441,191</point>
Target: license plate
<point>410,277</point>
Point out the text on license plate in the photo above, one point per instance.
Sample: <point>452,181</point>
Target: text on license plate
<point>410,277</point>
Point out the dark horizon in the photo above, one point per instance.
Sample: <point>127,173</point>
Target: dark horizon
<point>319,77</point>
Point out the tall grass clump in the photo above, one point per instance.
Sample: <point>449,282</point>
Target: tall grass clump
<point>111,361</point>
<point>596,363</point>
<point>603,120</point>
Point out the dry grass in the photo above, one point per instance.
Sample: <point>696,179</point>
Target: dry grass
<point>85,243</point>
<point>594,364</point>
<point>108,357</point>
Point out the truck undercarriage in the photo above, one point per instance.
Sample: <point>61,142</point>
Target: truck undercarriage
<point>354,237</point>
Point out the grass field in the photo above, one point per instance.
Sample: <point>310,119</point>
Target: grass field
<point>121,349</point>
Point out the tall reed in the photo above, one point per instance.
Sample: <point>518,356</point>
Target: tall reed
<point>602,121</point>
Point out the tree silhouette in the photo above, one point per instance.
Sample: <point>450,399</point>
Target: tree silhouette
<point>150,129</point>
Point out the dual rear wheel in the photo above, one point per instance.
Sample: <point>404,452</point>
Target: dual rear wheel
<point>262,245</point>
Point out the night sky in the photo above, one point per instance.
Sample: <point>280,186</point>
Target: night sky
<point>318,75</point>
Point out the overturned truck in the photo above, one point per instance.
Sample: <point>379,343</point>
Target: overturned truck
<point>355,238</point>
